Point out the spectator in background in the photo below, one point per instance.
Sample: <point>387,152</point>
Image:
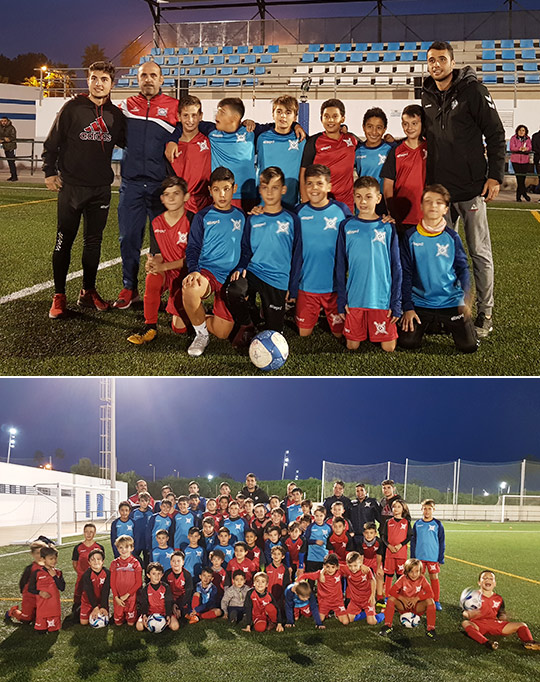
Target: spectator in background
<point>385,505</point>
<point>252,490</point>
<point>521,147</point>
<point>338,496</point>
<point>8,136</point>
<point>535,140</point>
<point>141,487</point>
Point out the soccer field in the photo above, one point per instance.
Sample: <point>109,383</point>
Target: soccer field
<point>92,343</point>
<point>209,651</point>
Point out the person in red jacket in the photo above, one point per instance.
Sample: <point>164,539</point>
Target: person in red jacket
<point>46,583</point>
<point>126,579</point>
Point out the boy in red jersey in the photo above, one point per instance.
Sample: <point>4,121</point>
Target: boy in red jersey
<point>279,577</point>
<point>46,583</point>
<point>293,545</point>
<point>126,579</point>
<point>79,559</point>
<point>262,612</point>
<point>396,535</point>
<point>260,522</point>
<point>27,612</point>
<point>155,597</point>
<point>490,618</point>
<point>241,562</point>
<point>213,513</point>
<point>360,592</point>
<point>219,574</point>
<point>181,584</point>
<point>193,159</point>
<point>333,149</point>
<point>329,589</point>
<point>411,592</point>
<point>165,262</point>
<point>255,553</point>
<point>277,518</point>
<point>372,550</point>
<point>95,587</point>
<point>340,541</point>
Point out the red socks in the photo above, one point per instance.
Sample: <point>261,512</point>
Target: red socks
<point>387,583</point>
<point>436,587</point>
<point>524,634</point>
<point>208,615</point>
<point>431,614</point>
<point>152,298</point>
<point>475,634</point>
<point>389,613</point>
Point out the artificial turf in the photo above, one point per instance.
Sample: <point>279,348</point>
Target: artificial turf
<point>91,343</point>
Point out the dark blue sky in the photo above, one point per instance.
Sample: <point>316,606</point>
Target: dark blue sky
<point>61,29</point>
<point>202,426</point>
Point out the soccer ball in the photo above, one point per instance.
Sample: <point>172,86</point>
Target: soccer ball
<point>471,599</point>
<point>156,623</point>
<point>409,619</point>
<point>269,350</point>
<point>98,621</point>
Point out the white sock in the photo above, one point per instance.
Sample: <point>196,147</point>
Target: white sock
<point>201,329</point>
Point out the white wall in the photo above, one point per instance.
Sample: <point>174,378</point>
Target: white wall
<point>480,512</point>
<point>18,103</point>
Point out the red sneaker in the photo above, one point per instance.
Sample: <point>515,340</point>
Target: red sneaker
<point>125,298</point>
<point>178,330</point>
<point>91,299</point>
<point>58,308</point>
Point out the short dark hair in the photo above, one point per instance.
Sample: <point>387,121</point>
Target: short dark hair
<point>280,548</point>
<point>331,560</point>
<point>94,552</point>
<point>221,174</point>
<point>125,503</point>
<point>104,66</point>
<point>89,525</point>
<point>178,552</point>
<point>167,486</point>
<point>241,544</point>
<point>156,565</point>
<point>48,551</point>
<point>166,502</point>
<point>339,482</point>
<point>189,101</point>
<point>162,531</point>
<point>316,169</point>
<point>388,481</point>
<point>267,175</point>
<point>338,519</point>
<point>194,496</point>
<point>361,485</point>
<point>235,104</point>
<point>224,529</point>
<point>193,483</point>
<point>183,498</point>
<point>297,490</point>
<point>207,569</point>
<point>370,525</point>
<point>375,112</point>
<point>173,181</point>
<point>219,553</point>
<point>273,529</point>
<point>337,103</point>
<point>238,572</point>
<point>194,531</point>
<point>437,189</point>
<point>442,45</point>
<point>366,182</point>
<point>413,110</point>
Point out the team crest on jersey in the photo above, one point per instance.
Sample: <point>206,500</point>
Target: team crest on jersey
<point>379,236</point>
<point>293,145</point>
<point>241,137</point>
<point>349,142</point>
<point>203,146</point>
<point>380,328</point>
<point>330,223</point>
<point>433,528</point>
<point>454,103</point>
<point>182,238</point>
<point>382,159</point>
<point>336,319</point>
<point>236,225</point>
<point>282,227</point>
<point>442,250</point>
<point>162,111</point>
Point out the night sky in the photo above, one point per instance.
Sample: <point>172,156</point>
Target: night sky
<point>207,426</point>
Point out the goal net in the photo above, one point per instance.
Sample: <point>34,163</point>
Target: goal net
<point>519,508</point>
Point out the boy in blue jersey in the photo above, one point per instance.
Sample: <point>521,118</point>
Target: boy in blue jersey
<point>140,517</point>
<point>436,279</point>
<point>235,523</point>
<point>183,521</point>
<point>194,555</point>
<point>212,253</point>
<point>123,525</point>
<point>273,535</point>
<point>294,510</point>
<point>428,544</point>
<point>316,537</point>
<point>371,154</point>
<point>300,601</point>
<point>205,601</point>
<point>320,219</point>
<point>225,546</point>
<point>270,262</point>
<point>160,521</point>
<point>163,552</point>
<point>281,147</point>
<point>369,299</point>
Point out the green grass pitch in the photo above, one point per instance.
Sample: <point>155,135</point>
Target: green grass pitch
<point>210,651</point>
<point>95,343</point>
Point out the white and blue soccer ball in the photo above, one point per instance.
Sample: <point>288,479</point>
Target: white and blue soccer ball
<point>471,599</point>
<point>409,619</point>
<point>156,623</point>
<point>269,350</point>
<point>99,621</point>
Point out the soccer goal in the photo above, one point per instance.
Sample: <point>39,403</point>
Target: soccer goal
<point>520,508</point>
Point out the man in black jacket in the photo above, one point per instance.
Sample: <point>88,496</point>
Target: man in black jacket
<point>338,496</point>
<point>77,164</point>
<point>8,140</point>
<point>459,114</point>
<point>535,141</point>
<point>363,509</point>
<point>252,490</point>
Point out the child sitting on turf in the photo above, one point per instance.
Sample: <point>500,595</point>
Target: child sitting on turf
<point>329,589</point>
<point>155,598</point>
<point>219,574</point>
<point>163,552</point>
<point>27,612</point>
<point>300,601</point>
<point>232,602</point>
<point>410,593</point>
<point>427,544</point>
<point>490,618</point>
<point>46,583</point>
<point>123,525</point>
<point>95,588</point>
<point>369,298</point>
<point>181,584</point>
<point>165,262</point>
<point>126,578</point>
<point>205,601</point>
<point>371,549</point>
<point>396,534</point>
<point>79,559</point>
<point>262,612</point>
<point>212,253</point>
<point>436,279</point>
<point>361,586</point>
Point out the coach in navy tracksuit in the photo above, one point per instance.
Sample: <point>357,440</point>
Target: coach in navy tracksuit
<point>151,117</point>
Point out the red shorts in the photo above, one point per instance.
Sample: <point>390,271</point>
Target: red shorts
<point>308,307</point>
<point>49,623</point>
<point>354,609</point>
<point>126,613</point>
<point>304,611</point>
<point>490,626</point>
<point>371,563</point>
<point>220,309</point>
<point>393,564</point>
<point>86,608</point>
<point>432,567</point>
<point>337,608</point>
<point>361,322</point>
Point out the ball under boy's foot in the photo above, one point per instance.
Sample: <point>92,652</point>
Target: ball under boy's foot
<point>438,606</point>
<point>198,345</point>
<point>431,633</point>
<point>139,339</point>
<point>492,646</point>
<point>385,631</point>
<point>532,646</point>
<point>125,298</point>
<point>58,307</point>
<point>91,299</point>
<point>483,325</point>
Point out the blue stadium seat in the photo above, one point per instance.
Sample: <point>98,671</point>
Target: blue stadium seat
<point>360,47</point>
<point>183,50</point>
<point>273,49</point>
<point>258,49</point>
<point>182,71</point>
<point>133,71</point>
<point>168,50</point>
<point>488,54</point>
<point>508,54</point>
<point>216,82</point>
<point>307,57</point>
<point>425,45</point>
<point>173,72</point>
<point>507,44</point>
<point>373,57</point>
<point>356,57</point>
<point>123,82</point>
<point>509,79</point>
<point>405,56</point>
<point>266,59</point>
<point>164,71</point>
<point>409,47</point>
<point>159,60</point>
<point>489,78</point>
<point>226,71</point>
<point>528,53</point>
<point>212,50</point>
<point>421,56</point>
<point>200,83</point>
<point>197,50</point>
<point>234,82</point>
<point>509,66</point>
<point>250,59</point>
<point>329,47</point>
<point>250,82</point>
<point>526,42</point>
<point>218,59</point>
<point>376,47</point>
<point>260,70</point>
<point>242,49</point>
<point>389,57</point>
<point>169,82</point>
<point>530,66</point>
<point>203,59</point>
<point>242,71</point>
<point>532,78</point>
<point>323,57</point>
<point>195,71</point>
<point>340,57</point>
<point>227,49</point>
<point>489,68</point>
<point>172,61</point>
<point>314,48</point>
<point>155,50</point>
<point>234,59</point>
<point>188,60</point>
<point>345,47</point>
<point>211,71</point>
<point>393,47</point>
<point>488,44</point>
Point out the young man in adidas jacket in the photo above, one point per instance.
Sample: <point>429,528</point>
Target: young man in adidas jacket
<point>77,164</point>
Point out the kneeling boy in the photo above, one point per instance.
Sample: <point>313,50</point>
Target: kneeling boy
<point>95,588</point>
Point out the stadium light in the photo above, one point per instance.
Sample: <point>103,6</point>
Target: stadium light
<point>485,493</point>
<point>153,472</point>
<point>210,477</point>
<point>12,431</point>
<point>296,475</point>
<point>285,462</point>
<point>48,465</point>
<point>502,486</point>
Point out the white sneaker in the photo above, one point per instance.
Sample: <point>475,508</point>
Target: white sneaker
<point>199,344</point>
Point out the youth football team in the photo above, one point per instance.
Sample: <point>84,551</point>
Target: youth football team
<point>261,564</point>
<point>258,209</point>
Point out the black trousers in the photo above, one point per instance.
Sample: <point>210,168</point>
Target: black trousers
<point>461,328</point>
<point>74,202</point>
<point>10,156</point>
<point>521,170</point>
<point>236,614</point>
<point>244,310</point>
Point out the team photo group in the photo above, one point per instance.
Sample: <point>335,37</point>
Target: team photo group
<point>270,222</point>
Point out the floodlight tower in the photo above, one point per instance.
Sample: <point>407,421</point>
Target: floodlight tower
<point>107,421</point>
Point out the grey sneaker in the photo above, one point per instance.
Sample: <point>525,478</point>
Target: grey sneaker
<point>483,325</point>
<point>199,344</point>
